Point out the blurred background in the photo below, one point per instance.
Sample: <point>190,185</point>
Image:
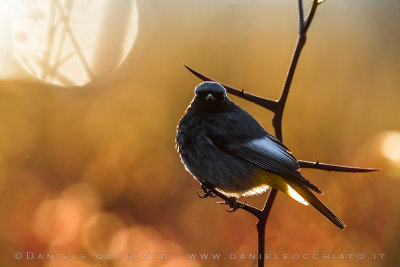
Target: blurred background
<point>90,96</point>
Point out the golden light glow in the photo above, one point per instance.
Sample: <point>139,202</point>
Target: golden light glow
<point>65,42</point>
<point>8,66</point>
<point>99,229</point>
<point>94,170</point>
<point>59,221</point>
<point>391,146</point>
<point>293,194</point>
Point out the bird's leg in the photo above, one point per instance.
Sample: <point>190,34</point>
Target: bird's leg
<point>207,192</point>
<point>233,204</point>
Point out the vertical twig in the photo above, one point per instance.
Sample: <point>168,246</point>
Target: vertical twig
<point>277,123</point>
<point>277,107</point>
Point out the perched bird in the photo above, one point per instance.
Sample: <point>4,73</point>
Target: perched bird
<point>223,146</point>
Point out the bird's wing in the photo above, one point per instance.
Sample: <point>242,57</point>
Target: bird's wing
<point>251,142</point>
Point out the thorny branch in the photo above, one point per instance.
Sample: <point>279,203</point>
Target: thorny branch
<point>277,107</point>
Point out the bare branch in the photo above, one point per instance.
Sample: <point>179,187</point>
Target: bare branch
<point>277,124</point>
<point>311,14</point>
<point>264,102</point>
<point>277,107</point>
<point>332,167</point>
<point>277,119</point>
<point>301,16</point>
<point>272,105</point>
<point>256,212</point>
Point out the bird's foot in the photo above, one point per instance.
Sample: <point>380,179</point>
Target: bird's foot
<point>234,205</point>
<point>207,192</point>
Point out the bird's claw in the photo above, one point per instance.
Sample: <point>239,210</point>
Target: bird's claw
<point>234,205</point>
<point>207,192</point>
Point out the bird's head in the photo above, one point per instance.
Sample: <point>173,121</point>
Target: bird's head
<point>210,97</point>
<point>210,91</point>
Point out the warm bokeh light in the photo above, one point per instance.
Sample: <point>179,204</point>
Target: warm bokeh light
<point>391,146</point>
<point>58,221</point>
<point>59,41</point>
<point>93,169</point>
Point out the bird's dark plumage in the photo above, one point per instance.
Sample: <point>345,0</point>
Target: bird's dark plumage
<point>223,145</point>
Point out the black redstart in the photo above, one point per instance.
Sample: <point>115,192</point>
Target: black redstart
<point>223,146</point>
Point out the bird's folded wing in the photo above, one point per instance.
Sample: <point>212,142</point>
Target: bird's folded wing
<point>267,153</point>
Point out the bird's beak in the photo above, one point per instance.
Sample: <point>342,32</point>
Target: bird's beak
<point>210,97</point>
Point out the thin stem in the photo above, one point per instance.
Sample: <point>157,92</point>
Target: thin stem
<point>332,167</point>
<point>264,102</point>
<point>256,212</point>
<point>277,107</point>
<point>262,224</point>
<point>311,15</point>
<point>277,119</point>
<point>271,105</point>
<point>301,16</point>
<point>261,245</point>
<point>277,123</point>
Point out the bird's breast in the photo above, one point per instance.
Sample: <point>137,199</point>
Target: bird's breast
<point>207,163</point>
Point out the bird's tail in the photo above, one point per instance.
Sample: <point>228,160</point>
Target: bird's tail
<point>298,192</point>
<point>305,193</point>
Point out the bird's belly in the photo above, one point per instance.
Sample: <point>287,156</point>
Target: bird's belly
<point>229,174</point>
